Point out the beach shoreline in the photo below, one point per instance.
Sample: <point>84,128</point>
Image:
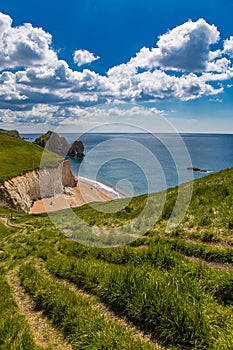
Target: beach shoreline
<point>107,189</point>
<point>86,191</point>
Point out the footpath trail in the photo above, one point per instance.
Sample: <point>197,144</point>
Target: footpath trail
<point>212,265</point>
<point>99,307</point>
<point>45,335</point>
<point>6,222</point>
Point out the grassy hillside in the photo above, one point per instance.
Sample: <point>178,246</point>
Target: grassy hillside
<point>13,133</point>
<point>163,291</point>
<point>18,156</point>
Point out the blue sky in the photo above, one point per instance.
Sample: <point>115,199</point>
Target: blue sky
<point>78,64</point>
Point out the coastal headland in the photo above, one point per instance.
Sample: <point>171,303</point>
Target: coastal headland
<point>99,280</point>
<point>27,186</point>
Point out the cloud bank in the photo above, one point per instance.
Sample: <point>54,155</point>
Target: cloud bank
<point>38,87</point>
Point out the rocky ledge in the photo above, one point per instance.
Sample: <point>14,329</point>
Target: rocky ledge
<point>58,144</point>
<point>198,170</point>
<point>20,191</point>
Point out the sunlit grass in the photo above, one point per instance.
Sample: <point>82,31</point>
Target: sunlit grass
<point>19,156</point>
<point>181,303</point>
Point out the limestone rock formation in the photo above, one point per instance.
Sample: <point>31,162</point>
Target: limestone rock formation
<point>54,143</point>
<point>58,144</point>
<point>76,150</point>
<point>20,191</point>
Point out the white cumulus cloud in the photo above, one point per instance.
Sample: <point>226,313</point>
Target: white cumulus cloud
<point>228,46</point>
<point>24,46</point>
<point>82,57</point>
<point>181,66</point>
<point>184,48</point>
<point>187,46</point>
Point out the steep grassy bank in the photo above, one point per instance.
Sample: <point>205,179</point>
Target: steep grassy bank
<point>150,286</point>
<point>19,156</point>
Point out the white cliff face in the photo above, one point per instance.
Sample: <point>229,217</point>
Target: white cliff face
<point>20,191</point>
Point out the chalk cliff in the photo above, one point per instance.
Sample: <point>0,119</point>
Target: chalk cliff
<point>20,191</point>
<point>58,144</point>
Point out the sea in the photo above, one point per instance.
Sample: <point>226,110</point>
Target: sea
<point>130,164</point>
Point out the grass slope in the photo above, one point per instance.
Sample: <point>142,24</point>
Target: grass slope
<point>13,133</point>
<point>19,156</point>
<point>151,283</point>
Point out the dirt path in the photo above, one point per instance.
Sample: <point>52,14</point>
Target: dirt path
<point>6,222</point>
<point>212,265</point>
<point>220,245</point>
<point>45,335</point>
<point>100,307</point>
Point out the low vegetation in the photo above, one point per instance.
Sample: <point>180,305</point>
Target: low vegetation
<point>19,156</point>
<point>13,133</point>
<point>175,288</point>
<point>14,330</point>
<point>75,315</point>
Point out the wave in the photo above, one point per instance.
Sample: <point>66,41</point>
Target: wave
<point>108,190</point>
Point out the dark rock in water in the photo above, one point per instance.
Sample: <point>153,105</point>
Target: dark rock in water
<point>58,144</point>
<point>13,133</point>
<point>76,150</point>
<point>198,169</point>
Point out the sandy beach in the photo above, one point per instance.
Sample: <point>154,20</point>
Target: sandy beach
<point>84,192</point>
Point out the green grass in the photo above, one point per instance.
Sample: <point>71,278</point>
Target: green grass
<point>12,133</point>
<point>180,303</point>
<point>14,330</point>
<point>19,156</point>
<point>159,254</point>
<point>74,315</point>
<point>200,250</point>
<point>174,305</point>
<point>208,218</point>
<point>183,304</point>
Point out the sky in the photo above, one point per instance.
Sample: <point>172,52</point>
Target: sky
<point>122,65</point>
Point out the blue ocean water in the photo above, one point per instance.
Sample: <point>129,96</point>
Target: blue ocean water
<point>143,163</point>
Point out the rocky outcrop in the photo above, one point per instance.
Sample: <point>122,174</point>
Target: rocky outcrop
<point>13,133</point>
<point>76,150</point>
<point>53,142</point>
<point>20,191</point>
<point>67,177</point>
<point>198,170</point>
<point>58,144</point>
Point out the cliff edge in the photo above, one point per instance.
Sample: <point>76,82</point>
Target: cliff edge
<point>19,192</point>
<point>12,133</point>
<point>59,145</point>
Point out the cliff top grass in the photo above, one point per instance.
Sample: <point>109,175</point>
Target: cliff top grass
<point>209,212</point>
<point>13,133</point>
<point>18,156</point>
